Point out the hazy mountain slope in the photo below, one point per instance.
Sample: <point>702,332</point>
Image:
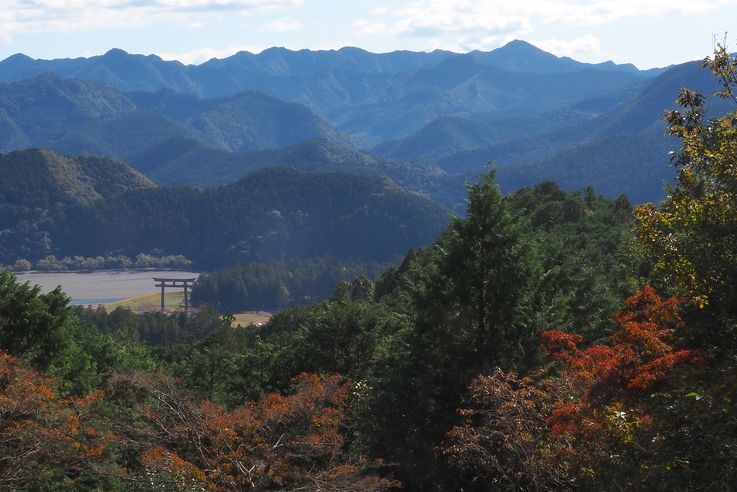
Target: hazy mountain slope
<point>646,111</point>
<point>77,117</point>
<point>449,135</point>
<point>373,97</point>
<point>188,162</point>
<point>618,151</point>
<point>43,107</point>
<point>462,86</point>
<point>636,165</point>
<point>116,68</point>
<point>253,120</point>
<point>118,136</point>
<point>445,136</point>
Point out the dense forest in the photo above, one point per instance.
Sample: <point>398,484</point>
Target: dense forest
<point>274,286</point>
<point>55,209</point>
<point>545,340</point>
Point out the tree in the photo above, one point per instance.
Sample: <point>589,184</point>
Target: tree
<point>47,442</point>
<point>470,317</point>
<point>583,421</point>
<point>291,441</point>
<point>31,323</point>
<point>693,235</point>
<point>504,440</point>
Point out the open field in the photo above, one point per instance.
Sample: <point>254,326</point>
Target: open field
<point>150,302</point>
<point>174,301</point>
<point>251,318</point>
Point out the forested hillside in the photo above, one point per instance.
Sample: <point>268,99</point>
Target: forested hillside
<point>272,214</point>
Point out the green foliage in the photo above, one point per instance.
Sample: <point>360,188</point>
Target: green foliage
<point>277,285</point>
<point>467,320</point>
<point>269,215</point>
<point>32,324</point>
<point>585,245</point>
<point>693,236</point>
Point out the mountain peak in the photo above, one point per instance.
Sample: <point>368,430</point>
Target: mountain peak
<point>519,47</point>
<point>18,57</point>
<point>521,56</point>
<point>115,52</point>
<point>520,44</point>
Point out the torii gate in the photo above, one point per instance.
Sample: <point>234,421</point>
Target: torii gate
<point>186,283</point>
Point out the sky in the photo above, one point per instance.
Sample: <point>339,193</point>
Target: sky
<point>652,33</point>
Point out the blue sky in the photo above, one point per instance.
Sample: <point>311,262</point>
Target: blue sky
<point>646,33</point>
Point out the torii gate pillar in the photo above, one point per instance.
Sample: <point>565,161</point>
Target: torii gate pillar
<point>186,283</point>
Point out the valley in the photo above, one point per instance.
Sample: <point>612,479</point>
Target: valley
<point>496,269</point>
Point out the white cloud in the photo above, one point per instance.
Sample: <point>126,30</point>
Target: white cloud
<point>584,45</point>
<point>282,25</point>
<point>432,18</point>
<point>370,28</point>
<point>68,15</point>
<point>383,10</point>
<point>5,37</point>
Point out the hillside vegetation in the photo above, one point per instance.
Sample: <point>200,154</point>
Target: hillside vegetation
<point>545,340</point>
<point>275,213</point>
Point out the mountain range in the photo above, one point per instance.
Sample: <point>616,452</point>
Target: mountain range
<point>429,121</point>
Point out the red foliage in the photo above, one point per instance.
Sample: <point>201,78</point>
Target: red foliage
<point>560,344</point>
<point>565,417</point>
<point>641,354</point>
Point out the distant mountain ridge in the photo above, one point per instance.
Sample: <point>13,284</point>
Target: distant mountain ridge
<point>371,97</point>
<point>132,72</point>
<point>182,161</point>
<point>427,120</point>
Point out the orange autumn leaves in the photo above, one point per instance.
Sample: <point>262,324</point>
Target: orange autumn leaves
<point>42,433</point>
<point>281,441</point>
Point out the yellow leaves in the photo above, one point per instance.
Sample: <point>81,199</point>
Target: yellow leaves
<point>701,301</point>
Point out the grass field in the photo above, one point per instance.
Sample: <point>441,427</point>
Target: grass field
<point>150,302</point>
<point>251,318</point>
<point>174,301</point>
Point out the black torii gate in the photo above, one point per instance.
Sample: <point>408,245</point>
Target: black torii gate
<point>186,283</point>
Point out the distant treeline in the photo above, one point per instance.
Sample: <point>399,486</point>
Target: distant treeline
<point>278,285</point>
<point>53,264</point>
